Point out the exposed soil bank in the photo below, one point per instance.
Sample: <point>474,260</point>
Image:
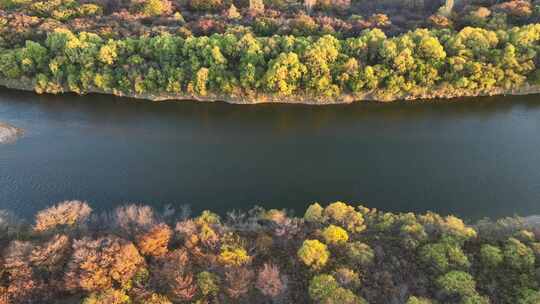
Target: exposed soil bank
<point>526,89</point>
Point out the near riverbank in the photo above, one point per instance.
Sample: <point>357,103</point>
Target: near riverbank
<point>337,253</point>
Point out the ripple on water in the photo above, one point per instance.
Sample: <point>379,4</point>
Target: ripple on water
<point>8,133</point>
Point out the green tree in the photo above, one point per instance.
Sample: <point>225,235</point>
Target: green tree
<point>457,283</point>
<point>518,255</point>
<point>443,256</point>
<point>314,213</point>
<point>154,7</point>
<point>491,256</point>
<point>284,74</point>
<point>360,253</point>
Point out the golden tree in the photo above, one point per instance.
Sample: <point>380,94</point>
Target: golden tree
<point>155,241</point>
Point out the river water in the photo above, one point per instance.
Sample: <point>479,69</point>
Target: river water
<point>473,158</point>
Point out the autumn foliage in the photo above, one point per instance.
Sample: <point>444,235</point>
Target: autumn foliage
<point>338,253</point>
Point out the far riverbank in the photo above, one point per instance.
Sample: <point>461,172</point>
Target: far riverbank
<point>259,98</point>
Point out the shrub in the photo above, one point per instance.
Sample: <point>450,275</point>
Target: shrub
<point>536,249</point>
<point>335,235</point>
<point>264,242</point>
<point>208,283</point>
<point>264,26</point>
<point>96,264</point>
<point>325,289</point>
<point>110,296</point>
<point>51,255</point>
<point>314,254</point>
<point>338,211</point>
<point>155,7</point>
<point>360,253</point>
<point>22,285</point>
<point>64,214</point>
<point>170,274</point>
<point>232,13</point>
<point>269,281</point>
<point>276,216</point>
<point>134,219</point>
<point>321,286</point>
<point>517,255</point>
<point>525,236</point>
<point>155,241</point>
<point>256,6</point>
<point>238,282</point>
<point>455,227</point>
<point>491,256</point>
<point>90,9</point>
<point>449,226</point>
<point>355,222</point>
<point>347,277</point>
<point>234,256</point>
<point>207,235</point>
<point>314,213</point>
<point>444,256</point>
<point>303,25</point>
<point>475,299</point>
<point>418,300</point>
<point>154,298</point>
<point>457,283</point>
<point>206,5</point>
<point>208,218</point>
<point>528,296</point>
<point>346,215</point>
<point>343,296</point>
<point>413,234</point>
<point>516,8</point>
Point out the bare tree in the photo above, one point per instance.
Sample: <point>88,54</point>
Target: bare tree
<point>269,281</point>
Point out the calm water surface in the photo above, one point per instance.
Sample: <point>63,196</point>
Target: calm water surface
<point>473,159</point>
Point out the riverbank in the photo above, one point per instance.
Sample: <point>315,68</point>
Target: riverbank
<point>260,98</point>
<point>337,253</point>
<point>243,69</point>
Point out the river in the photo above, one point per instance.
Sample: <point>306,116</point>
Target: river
<point>472,158</point>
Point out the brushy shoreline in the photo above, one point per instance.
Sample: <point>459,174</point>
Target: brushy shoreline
<point>337,253</point>
<point>527,89</point>
<point>418,65</point>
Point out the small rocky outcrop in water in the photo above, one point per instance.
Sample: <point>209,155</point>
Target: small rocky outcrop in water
<point>9,133</point>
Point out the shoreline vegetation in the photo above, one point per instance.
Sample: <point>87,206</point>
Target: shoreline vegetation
<point>255,51</point>
<point>421,64</point>
<point>29,85</point>
<point>337,254</point>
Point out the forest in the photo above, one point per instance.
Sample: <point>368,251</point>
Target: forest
<point>338,253</point>
<point>256,51</point>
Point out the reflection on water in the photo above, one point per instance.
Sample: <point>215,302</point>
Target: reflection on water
<point>474,158</point>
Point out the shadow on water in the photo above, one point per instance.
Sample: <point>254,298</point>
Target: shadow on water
<point>473,157</point>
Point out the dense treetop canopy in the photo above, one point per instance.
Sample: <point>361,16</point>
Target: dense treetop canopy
<point>415,63</point>
<point>268,50</point>
<point>338,253</point>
